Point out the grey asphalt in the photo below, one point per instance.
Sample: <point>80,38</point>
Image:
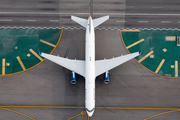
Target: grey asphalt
<point>123,13</point>
<point>48,84</point>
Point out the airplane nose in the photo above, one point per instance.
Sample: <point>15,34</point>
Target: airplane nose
<point>90,113</point>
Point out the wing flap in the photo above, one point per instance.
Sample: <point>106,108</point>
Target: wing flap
<point>74,65</point>
<point>104,65</point>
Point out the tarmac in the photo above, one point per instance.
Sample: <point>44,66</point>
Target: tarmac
<point>45,92</point>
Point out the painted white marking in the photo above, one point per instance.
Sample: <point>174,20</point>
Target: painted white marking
<point>52,13</point>
<point>157,7</point>
<point>31,20</point>
<point>120,21</point>
<point>143,21</point>
<point>165,21</point>
<point>6,20</point>
<point>5,5</point>
<point>54,20</point>
<point>130,7</point>
<point>178,21</point>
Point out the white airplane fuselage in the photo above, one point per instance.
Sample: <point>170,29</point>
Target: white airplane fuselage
<point>90,68</point>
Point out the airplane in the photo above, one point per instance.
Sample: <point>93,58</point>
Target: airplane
<point>90,68</point>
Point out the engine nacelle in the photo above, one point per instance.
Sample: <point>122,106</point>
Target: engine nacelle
<point>106,77</point>
<point>73,78</point>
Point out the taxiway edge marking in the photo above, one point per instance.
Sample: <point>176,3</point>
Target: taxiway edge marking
<point>161,114</point>
<point>18,113</point>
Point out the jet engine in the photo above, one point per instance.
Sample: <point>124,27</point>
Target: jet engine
<point>73,78</point>
<point>106,77</point>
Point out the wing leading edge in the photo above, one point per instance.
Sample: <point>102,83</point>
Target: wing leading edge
<point>76,66</point>
<point>105,65</point>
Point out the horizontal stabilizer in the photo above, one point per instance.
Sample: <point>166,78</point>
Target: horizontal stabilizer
<point>81,21</point>
<point>100,20</point>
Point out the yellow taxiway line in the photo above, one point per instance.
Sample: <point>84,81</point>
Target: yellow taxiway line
<point>161,114</point>
<point>72,107</point>
<point>39,62</point>
<point>42,107</point>
<point>18,113</point>
<point>131,108</point>
<point>146,56</point>
<point>135,43</point>
<point>50,44</point>
<point>3,66</point>
<point>176,68</point>
<point>74,116</point>
<point>82,113</point>
<point>131,30</point>
<point>32,51</point>
<point>21,63</point>
<point>160,65</point>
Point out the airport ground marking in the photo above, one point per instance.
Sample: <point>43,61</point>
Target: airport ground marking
<point>165,50</point>
<point>7,20</point>
<point>48,43</point>
<point>131,30</point>
<point>82,113</point>
<point>151,56</point>
<point>3,66</point>
<point>39,62</point>
<point>146,56</point>
<point>100,13</point>
<point>54,20</point>
<point>160,65</point>
<point>73,107</point>
<point>170,38</point>
<point>167,75</point>
<point>32,51</point>
<point>162,114</point>
<point>21,63</point>
<point>74,116</point>
<point>18,113</point>
<point>135,43</point>
<point>176,68</point>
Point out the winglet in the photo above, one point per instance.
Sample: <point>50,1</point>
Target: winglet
<point>140,51</point>
<point>39,52</point>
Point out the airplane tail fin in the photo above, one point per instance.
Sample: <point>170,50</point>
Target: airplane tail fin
<point>96,22</point>
<point>90,8</point>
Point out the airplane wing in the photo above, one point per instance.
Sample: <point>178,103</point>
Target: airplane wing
<point>77,66</point>
<point>104,65</point>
